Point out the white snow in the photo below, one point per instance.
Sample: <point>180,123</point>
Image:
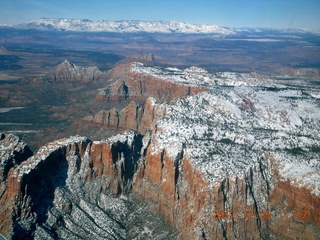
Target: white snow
<point>226,130</point>
<point>123,26</point>
<point>44,152</point>
<point>302,175</point>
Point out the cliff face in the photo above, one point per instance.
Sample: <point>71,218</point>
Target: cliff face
<point>12,152</point>
<point>69,182</point>
<point>143,90</point>
<point>247,206</point>
<point>69,72</point>
<point>216,169</point>
<point>239,162</point>
<point>137,117</point>
<point>130,84</point>
<point>64,190</point>
<point>235,163</point>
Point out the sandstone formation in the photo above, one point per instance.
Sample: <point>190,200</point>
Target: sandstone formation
<point>142,90</point>
<point>230,150</point>
<point>236,157</point>
<point>199,161</point>
<point>134,116</point>
<point>69,72</point>
<point>12,152</point>
<point>75,175</point>
<point>67,190</point>
<point>132,85</point>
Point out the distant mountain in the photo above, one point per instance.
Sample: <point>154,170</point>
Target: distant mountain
<point>69,72</point>
<point>122,26</point>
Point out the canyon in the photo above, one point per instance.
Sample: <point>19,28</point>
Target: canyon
<point>192,155</point>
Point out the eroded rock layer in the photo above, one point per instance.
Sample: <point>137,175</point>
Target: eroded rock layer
<point>239,160</point>
<point>69,72</point>
<point>131,84</point>
<point>75,188</point>
<point>137,117</point>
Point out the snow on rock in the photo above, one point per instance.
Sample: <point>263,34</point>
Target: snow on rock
<point>241,117</point>
<point>199,76</point>
<point>81,25</point>
<point>226,130</point>
<point>44,152</point>
<point>302,174</point>
<point>245,139</point>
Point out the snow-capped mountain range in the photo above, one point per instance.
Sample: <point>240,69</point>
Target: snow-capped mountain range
<point>126,26</point>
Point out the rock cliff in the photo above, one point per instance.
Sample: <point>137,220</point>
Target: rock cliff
<point>236,159</point>
<point>75,188</point>
<point>12,152</point>
<point>216,171</point>
<point>69,72</point>
<point>137,117</point>
<point>134,85</point>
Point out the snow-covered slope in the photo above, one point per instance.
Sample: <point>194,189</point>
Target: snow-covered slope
<point>227,129</point>
<point>250,140</point>
<point>121,26</point>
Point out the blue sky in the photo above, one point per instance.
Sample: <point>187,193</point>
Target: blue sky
<point>228,13</point>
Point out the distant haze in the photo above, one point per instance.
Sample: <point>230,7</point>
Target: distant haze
<point>227,13</point>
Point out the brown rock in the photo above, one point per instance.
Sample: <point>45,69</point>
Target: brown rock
<point>138,86</point>
<point>13,152</point>
<point>69,72</point>
<point>171,184</point>
<point>130,116</point>
<point>133,116</point>
<point>188,201</point>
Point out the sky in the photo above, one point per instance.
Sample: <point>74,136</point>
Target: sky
<point>226,13</point>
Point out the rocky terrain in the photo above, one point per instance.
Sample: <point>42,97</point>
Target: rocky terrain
<point>199,156</point>
<point>69,72</point>
<point>65,191</point>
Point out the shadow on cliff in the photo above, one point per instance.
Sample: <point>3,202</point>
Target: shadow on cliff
<point>129,165</point>
<point>39,191</point>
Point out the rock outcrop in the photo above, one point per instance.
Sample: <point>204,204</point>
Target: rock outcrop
<point>13,151</point>
<point>69,72</point>
<point>229,163</point>
<point>248,196</point>
<point>142,90</point>
<point>146,59</point>
<point>134,116</point>
<point>67,190</point>
<point>130,84</point>
<point>213,179</point>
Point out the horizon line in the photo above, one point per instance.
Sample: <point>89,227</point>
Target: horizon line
<point>166,21</point>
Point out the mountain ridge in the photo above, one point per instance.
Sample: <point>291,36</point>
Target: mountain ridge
<point>125,26</point>
<point>138,26</point>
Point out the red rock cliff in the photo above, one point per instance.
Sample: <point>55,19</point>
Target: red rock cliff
<point>134,116</point>
<point>189,201</point>
<point>132,85</point>
<point>167,181</point>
